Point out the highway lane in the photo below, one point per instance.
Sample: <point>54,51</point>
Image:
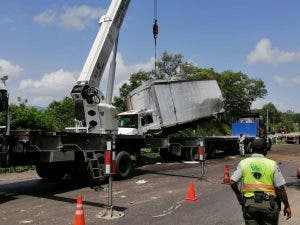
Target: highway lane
<point>155,195</point>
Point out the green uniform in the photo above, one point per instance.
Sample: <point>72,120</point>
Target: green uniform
<point>259,206</point>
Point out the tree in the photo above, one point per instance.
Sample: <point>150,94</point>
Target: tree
<point>62,112</point>
<point>169,66</point>
<point>192,72</point>
<point>135,81</point>
<point>239,92</point>
<point>271,115</point>
<point>29,118</point>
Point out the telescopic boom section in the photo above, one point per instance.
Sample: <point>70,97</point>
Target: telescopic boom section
<point>94,66</point>
<point>88,98</point>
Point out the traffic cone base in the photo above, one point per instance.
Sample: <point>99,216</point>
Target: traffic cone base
<point>191,196</point>
<point>79,215</point>
<point>226,179</point>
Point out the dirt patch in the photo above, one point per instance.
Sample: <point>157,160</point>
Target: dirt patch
<point>285,153</point>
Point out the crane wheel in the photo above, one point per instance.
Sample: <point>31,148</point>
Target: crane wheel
<point>124,165</point>
<point>50,172</point>
<point>165,154</point>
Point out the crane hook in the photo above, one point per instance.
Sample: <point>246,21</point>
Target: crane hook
<point>155,29</point>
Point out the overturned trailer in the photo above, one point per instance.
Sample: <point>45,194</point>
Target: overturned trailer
<point>165,107</point>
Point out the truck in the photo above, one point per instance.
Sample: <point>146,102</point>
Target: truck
<point>160,108</point>
<point>78,152</point>
<point>187,148</point>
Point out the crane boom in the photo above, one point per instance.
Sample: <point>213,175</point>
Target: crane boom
<point>91,109</point>
<point>105,40</point>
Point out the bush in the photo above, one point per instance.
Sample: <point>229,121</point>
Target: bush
<point>17,169</point>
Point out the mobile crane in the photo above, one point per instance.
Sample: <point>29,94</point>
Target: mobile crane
<point>79,153</point>
<point>96,114</point>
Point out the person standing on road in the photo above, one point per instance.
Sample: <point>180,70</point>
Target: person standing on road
<point>263,187</point>
<point>241,141</point>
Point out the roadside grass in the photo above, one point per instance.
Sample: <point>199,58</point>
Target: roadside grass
<point>17,169</point>
<point>148,156</point>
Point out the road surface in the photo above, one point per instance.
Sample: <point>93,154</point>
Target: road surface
<point>155,195</point>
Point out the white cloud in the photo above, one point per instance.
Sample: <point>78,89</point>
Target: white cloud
<point>123,71</point>
<point>46,17</point>
<point>79,17</point>
<point>56,85</point>
<point>283,82</point>
<point>52,86</point>
<point>6,20</point>
<point>76,17</point>
<point>7,68</point>
<point>265,53</point>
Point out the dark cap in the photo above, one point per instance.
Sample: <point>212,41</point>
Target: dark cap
<point>259,144</point>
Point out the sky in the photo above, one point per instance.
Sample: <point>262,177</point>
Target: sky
<point>44,44</point>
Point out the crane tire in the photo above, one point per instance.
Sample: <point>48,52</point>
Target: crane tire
<point>49,172</point>
<point>124,165</point>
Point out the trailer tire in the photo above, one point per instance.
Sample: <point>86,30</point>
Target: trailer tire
<point>51,173</point>
<point>124,165</point>
<point>165,154</point>
<point>193,154</point>
<point>248,148</point>
<point>211,151</point>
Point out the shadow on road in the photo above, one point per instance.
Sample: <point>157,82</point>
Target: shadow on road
<point>295,185</point>
<point>37,188</point>
<point>44,189</point>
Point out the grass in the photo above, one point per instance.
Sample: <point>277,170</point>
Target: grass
<point>17,169</point>
<point>148,156</point>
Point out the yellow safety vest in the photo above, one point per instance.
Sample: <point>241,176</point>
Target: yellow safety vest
<point>258,175</point>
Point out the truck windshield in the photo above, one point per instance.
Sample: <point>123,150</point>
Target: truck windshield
<point>246,120</point>
<point>130,121</point>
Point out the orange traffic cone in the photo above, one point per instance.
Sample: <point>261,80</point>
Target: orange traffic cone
<point>79,215</point>
<point>191,196</point>
<point>298,173</point>
<point>226,179</point>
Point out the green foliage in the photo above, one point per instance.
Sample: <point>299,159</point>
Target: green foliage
<point>62,113</point>
<point>277,120</point>
<point>239,92</point>
<point>168,67</point>
<point>192,72</point>
<point>29,118</point>
<point>211,127</point>
<point>56,117</point>
<point>17,169</point>
<point>135,81</point>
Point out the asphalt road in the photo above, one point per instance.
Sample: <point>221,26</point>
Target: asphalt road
<point>155,195</point>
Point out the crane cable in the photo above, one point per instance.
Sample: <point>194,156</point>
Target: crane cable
<point>155,32</point>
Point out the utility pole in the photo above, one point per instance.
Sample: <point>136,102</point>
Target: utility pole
<point>267,121</point>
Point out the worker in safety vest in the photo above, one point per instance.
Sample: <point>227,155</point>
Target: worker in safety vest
<point>262,187</point>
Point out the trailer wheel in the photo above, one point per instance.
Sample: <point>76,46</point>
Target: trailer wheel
<point>211,151</point>
<point>193,154</point>
<point>49,172</point>
<point>249,148</point>
<point>124,165</point>
<point>165,154</point>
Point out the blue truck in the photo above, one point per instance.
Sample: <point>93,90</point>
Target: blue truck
<point>250,125</point>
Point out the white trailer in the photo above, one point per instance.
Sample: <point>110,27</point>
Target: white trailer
<point>159,105</point>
